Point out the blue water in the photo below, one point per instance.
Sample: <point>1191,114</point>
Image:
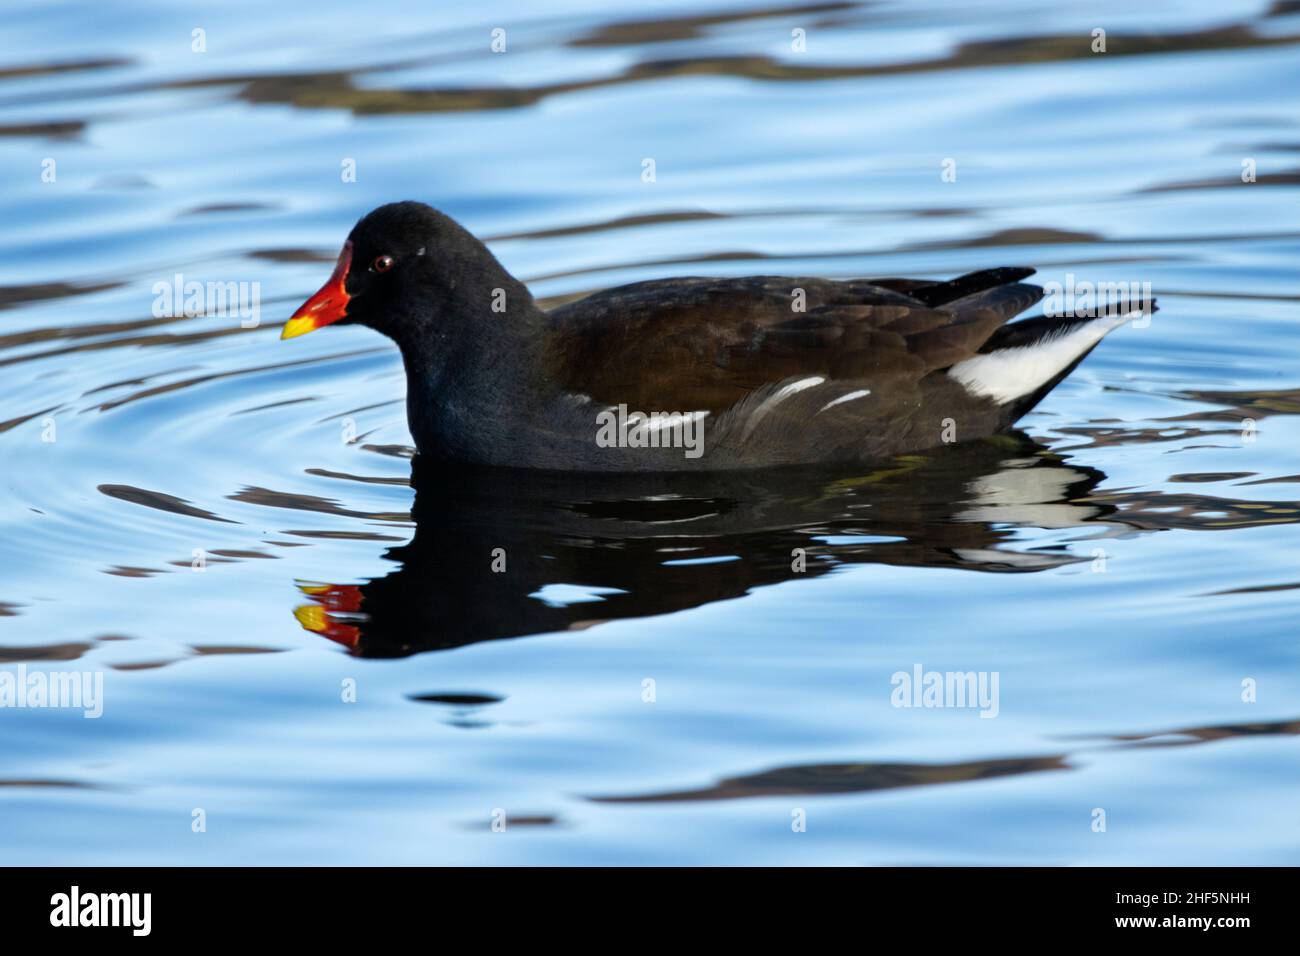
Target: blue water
<point>343,679</point>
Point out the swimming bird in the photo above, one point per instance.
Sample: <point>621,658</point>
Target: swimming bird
<point>691,373</point>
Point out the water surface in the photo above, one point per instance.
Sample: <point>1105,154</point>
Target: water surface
<point>322,660</point>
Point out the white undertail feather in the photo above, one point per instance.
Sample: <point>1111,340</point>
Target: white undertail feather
<point>1008,374</point>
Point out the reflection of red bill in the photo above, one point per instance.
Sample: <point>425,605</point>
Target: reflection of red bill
<point>336,597</point>
<point>316,619</point>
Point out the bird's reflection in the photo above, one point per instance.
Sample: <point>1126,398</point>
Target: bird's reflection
<point>501,553</point>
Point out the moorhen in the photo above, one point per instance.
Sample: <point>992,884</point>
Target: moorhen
<point>690,373</point>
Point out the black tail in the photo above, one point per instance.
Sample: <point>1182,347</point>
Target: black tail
<point>940,293</point>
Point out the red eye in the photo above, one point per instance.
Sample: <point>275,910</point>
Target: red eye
<point>382,264</point>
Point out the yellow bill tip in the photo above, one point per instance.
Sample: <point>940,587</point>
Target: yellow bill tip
<point>296,327</point>
<point>312,617</point>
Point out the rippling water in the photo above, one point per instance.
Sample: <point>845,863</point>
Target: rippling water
<point>224,527</point>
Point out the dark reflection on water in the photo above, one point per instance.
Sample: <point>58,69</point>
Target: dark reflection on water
<point>831,779</point>
<point>488,544</point>
<point>338,90</point>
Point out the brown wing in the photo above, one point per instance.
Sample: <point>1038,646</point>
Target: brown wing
<point>707,344</point>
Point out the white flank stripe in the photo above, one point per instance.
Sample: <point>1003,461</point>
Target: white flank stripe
<point>794,387</point>
<point>661,419</point>
<point>844,398</point>
<point>780,395</point>
<point>1008,374</point>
